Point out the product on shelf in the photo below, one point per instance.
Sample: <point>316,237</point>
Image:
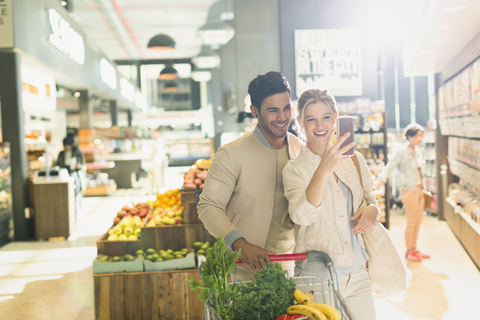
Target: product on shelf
<point>128,228</point>
<point>168,209</point>
<point>195,177</point>
<point>161,255</point>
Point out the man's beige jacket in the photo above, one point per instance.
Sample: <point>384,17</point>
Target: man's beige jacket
<point>239,190</point>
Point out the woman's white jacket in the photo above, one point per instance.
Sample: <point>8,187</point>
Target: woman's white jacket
<point>326,228</point>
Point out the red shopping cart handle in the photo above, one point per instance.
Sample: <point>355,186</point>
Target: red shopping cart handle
<point>282,257</point>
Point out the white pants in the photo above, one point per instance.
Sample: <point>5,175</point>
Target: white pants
<point>356,289</point>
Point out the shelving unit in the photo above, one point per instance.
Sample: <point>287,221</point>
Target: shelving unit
<point>430,172</point>
<point>371,142</point>
<point>459,118</point>
<point>5,194</point>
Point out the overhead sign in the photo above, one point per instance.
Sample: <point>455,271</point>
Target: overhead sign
<point>108,74</point>
<point>329,59</point>
<point>64,38</point>
<point>38,91</point>
<point>6,24</point>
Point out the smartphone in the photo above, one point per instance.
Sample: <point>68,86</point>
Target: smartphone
<point>344,125</point>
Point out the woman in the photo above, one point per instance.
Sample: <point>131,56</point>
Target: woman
<point>408,159</point>
<point>324,193</point>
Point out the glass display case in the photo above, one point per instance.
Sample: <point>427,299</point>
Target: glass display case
<point>5,194</point>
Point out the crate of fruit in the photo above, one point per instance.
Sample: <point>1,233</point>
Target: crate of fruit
<point>117,264</point>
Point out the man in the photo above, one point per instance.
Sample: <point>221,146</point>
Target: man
<point>243,197</point>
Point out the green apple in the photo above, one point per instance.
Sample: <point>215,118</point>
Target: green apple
<point>128,231</point>
<point>132,237</point>
<point>117,230</point>
<point>139,252</point>
<point>112,237</point>
<point>137,232</point>
<point>122,237</point>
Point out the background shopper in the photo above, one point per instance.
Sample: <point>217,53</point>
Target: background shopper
<point>324,194</point>
<point>408,160</point>
<point>243,198</point>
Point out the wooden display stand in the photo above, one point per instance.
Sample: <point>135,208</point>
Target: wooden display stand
<point>101,190</point>
<point>153,295</point>
<point>147,295</point>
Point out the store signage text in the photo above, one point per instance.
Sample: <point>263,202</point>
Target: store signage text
<point>6,24</point>
<point>64,38</point>
<point>329,58</point>
<point>108,74</point>
<point>127,90</point>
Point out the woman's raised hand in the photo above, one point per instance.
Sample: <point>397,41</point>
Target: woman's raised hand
<point>333,153</point>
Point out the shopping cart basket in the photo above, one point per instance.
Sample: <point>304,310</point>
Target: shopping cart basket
<point>325,291</point>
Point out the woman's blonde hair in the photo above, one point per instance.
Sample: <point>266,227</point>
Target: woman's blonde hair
<point>313,95</point>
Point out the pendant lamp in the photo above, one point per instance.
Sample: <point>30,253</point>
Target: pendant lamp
<point>216,33</point>
<point>206,59</point>
<point>162,41</point>
<point>168,73</point>
<point>171,86</point>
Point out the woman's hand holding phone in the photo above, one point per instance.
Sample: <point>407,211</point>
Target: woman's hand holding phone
<point>333,153</point>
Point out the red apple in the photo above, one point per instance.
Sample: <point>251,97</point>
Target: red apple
<point>134,211</point>
<point>128,215</point>
<point>178,220</point>
<point>116,220</point>
<point>126,208</point>
<point>121,213</point>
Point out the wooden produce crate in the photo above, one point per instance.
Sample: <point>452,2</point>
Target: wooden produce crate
<point>174,237</point>
<point>190,200</point>
<point>117,247</point>
<point>147,295</point>
<point>101,190</point>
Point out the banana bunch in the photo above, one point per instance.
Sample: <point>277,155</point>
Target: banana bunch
<point>304,299</point>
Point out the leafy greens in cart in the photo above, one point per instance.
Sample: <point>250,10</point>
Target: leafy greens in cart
<point>214,285</point>
<point>268,295</point>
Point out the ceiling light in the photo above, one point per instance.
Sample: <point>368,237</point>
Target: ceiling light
<point>216,33</point>
<point>171,86</point>
<point>206,59</point>
<point>77,94</point>
<point>443,27</point>
<point>436,41</point>
<point>201,75</point>
<point>168,73</point>
<point>455,8</point>
<point>161,41</point>
<point>63,3</point>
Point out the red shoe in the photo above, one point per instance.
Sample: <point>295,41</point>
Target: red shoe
<point>413,256</point>
<point>423,255</point>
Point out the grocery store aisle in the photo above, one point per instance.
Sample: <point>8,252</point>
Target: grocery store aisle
<point>445,287</point>
<point>53,280</point>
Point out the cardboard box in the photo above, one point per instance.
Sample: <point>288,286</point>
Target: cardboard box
<point>117,267</point>
<point>187,262</point>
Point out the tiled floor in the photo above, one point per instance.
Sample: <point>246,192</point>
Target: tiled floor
<point>53,280</point>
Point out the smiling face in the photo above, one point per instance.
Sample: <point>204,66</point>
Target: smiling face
<point>274,118</point>
<point>318,120</point>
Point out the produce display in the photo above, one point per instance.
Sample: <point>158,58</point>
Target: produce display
<point>161,255</point>
<point>168,209</point>
<point>140,209</point>
<point>128,228</point>
<point>105,258</point>
<point>195,177</point>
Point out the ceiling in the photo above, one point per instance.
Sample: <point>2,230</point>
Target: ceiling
<point>436,32</point>
<point>122,28</point>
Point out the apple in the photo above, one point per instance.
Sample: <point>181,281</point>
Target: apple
<point>112,237</point>
<point>116,220</point>
<point>134,211</point>
<point>117,230</point>
<point>122,237</point>
<point>178,220</point>
<point>132,237</point>
<point>179,213</point>
<point>126,208</point>
<point>128,215</point>
<point>171,214</point>
<point>137,232</point>
<point>121,213</point>
<point>128,231</point>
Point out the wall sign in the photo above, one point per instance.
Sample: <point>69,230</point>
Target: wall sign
<point>329,59</point>
<point>108,74</point>
<point>64,38</point>
<point>6,24</point>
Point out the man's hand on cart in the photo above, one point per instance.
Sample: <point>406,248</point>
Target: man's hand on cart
<point>252,255</point>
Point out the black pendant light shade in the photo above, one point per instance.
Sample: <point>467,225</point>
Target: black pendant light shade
<point>162,41</point>
<point>168,73</point>
<point>171,86</point>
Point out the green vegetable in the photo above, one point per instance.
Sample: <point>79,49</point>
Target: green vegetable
<point>214,285</point>
<point>268,295</point>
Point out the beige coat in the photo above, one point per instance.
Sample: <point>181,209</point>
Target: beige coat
<point>325,228</point>
<point>240,187</point>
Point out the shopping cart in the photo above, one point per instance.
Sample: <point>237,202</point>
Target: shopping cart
<point>325,291</point>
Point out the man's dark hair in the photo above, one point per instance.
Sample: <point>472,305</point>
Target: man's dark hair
<point>412,129</point>
<point>68,141</point>
<point>266,85</point>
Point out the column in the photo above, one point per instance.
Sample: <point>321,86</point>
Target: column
<point>114,112</point>
<point>86,109</point>
<point>129,117</point>
<point>403,93</point>
<point>13,132</point>
<point>421,100</point>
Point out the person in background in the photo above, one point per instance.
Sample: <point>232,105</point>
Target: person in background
<point>325,194</point>
<point>160,161</point>
<point>243,197</point>
<point>408,160</point>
